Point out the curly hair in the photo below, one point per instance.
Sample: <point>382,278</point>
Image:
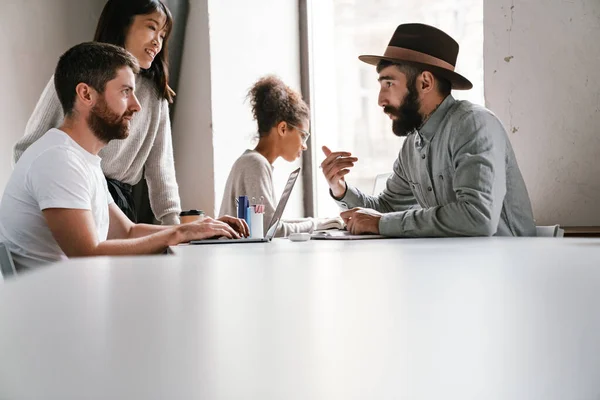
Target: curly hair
<point>273,101</point>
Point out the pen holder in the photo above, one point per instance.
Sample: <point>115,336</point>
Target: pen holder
<point>255,224</point>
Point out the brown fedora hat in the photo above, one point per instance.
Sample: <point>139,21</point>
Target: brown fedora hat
<point>426,47</point>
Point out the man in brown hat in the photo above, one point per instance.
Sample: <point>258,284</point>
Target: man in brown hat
<point>456,174</point>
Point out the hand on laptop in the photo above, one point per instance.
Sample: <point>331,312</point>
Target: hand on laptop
<point>362,220</point>
<point>335,166</point>
<point>207,227</point>
<point>238,224</point>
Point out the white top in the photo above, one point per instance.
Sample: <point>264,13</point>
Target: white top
<point>54,172</point>
<point>459,318</point>
<point>147,151</point>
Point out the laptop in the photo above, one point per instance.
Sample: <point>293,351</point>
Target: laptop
<point>273,225</point>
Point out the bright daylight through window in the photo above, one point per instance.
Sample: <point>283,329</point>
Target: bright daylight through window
<point>344,90</point>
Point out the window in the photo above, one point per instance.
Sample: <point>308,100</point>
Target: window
<point>344,90</point>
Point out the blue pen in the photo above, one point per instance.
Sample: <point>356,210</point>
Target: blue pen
<point>242,207</point>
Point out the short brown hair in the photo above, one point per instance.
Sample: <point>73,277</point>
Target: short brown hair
<point>273,101</point>
<point>91,63</point>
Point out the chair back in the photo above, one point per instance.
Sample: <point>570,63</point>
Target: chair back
<point>549,231</point>
<point>380,181</point>
<point>7,266</point>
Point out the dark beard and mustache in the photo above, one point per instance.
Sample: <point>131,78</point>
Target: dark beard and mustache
<point>407,115</point>
<point>106,124</point>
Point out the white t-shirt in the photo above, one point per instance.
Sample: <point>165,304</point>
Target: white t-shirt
<point>54,172</point>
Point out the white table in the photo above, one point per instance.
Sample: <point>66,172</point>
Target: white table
<point>385,319</point>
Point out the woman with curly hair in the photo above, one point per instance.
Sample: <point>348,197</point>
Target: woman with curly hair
<point>283,129</point>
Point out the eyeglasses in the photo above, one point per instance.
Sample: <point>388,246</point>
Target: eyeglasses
<point>305,134</point>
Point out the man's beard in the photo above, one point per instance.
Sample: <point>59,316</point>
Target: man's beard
<point>107,124</point>
<point>407,115</point>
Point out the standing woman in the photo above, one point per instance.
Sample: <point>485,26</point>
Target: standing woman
<point>142,27</point>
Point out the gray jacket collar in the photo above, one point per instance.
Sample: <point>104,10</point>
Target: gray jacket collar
<point>431,126</point>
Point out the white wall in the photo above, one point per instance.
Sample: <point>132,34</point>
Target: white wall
<point>35,33</point>
<point>192,123</point>
<point>213,123</point>
<point>541,78</point>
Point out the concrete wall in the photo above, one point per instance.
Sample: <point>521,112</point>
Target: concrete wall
<point>35,33</point>
<point>541,78</point>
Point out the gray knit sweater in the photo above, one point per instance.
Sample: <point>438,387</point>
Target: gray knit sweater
<point>252,176</point>
<point>148,150</point>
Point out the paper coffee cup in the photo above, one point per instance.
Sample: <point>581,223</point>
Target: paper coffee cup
<point>190,216</point>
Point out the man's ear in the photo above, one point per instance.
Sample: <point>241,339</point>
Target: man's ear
<point>85,94</point>
<point>427,82</point>
<point>282,128</point>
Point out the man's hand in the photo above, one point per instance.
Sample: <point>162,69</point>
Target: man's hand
<point>208,227</point>
<point>330,223</point>
<point>238,224</point>
<point>362,220</point>
<point>335,166</point>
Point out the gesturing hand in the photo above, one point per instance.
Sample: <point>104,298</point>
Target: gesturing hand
<point>335,166</point>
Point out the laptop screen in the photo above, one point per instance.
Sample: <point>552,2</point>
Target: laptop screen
<point>282,203</point>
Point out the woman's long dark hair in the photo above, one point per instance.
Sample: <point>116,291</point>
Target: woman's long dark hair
<point>115,20</point>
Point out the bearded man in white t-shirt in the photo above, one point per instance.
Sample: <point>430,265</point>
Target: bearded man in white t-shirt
<point>56,203</point>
